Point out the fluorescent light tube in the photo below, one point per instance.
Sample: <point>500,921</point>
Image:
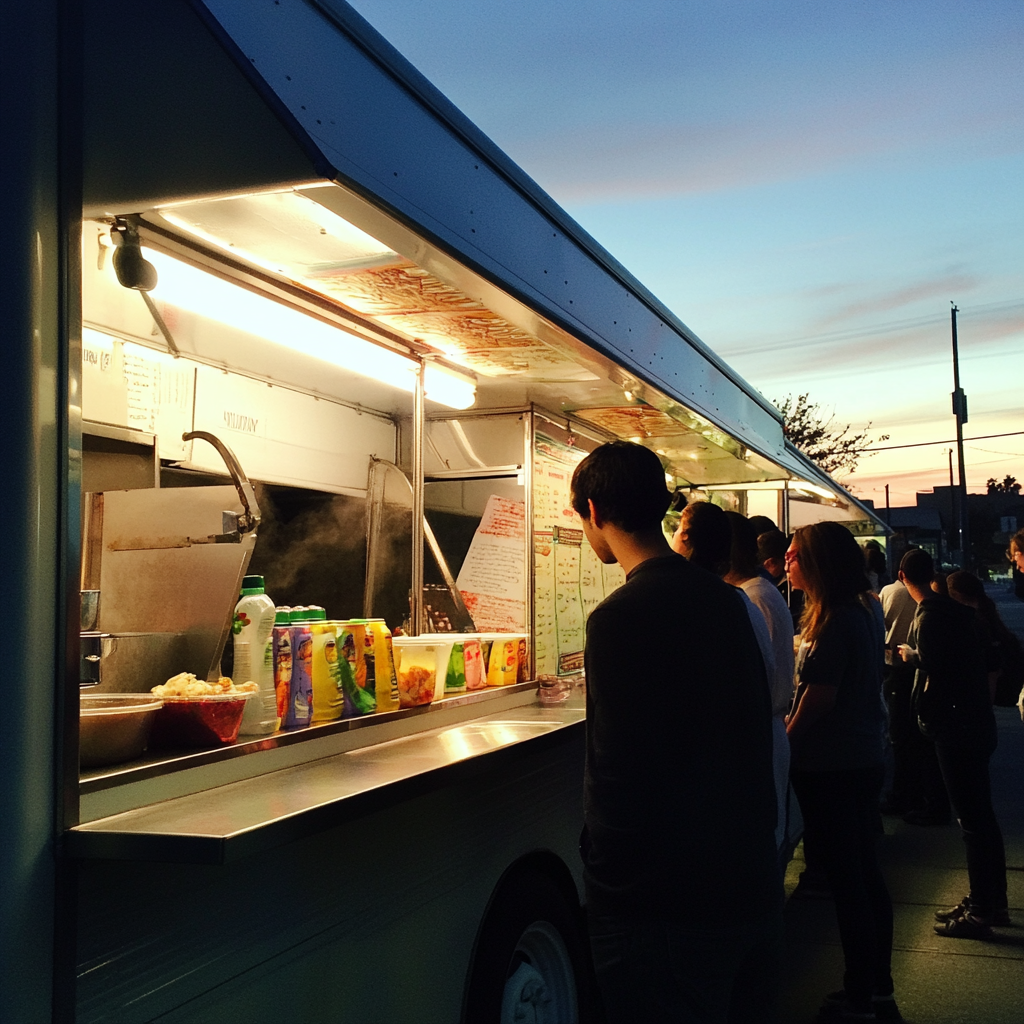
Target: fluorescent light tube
<point>187,287</point>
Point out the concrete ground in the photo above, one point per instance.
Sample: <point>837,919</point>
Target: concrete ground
<point>938,980</point>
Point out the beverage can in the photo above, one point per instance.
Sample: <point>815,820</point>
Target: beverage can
<point>282,666</point>
<point>357,667</point>
<point>385,678</point>
<point>328,703</point>
<point>300,703</point>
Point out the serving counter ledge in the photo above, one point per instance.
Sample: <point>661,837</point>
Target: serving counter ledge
<point>226,823</point>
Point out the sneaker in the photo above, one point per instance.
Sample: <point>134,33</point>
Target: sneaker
<point>1000,918</point>
<point>837,1006</point>
<point>966,926</point>
<point>884,1007</point>
<point>925,818</point>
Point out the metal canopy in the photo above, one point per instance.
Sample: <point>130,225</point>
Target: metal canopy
<point>368,120</point>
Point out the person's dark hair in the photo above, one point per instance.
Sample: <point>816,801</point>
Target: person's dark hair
<point>761,524</point>
<point>1017,542</point>
<point>940,584</point>
<point>743,551</point>
<point>964,584</point>
<point>874,559</point>
<point>626,483</point>
<point>917,566</point>
<point>832,565</point>
<point>709,535</point>
<point>771,544</point>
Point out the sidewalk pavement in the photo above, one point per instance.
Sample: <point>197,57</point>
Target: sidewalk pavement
<point>938,980</point>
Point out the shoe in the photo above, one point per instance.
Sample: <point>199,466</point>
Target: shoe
<point>1000,918</point>
<point>884,1007</point>
<point>925,818</point>
<point>893,808</point>
<point>836,1006</point>
<point>812,891</point>
<point>966,926</point>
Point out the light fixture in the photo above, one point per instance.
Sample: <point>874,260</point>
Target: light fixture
<point>187,287</point>
<point>822,492</point>
<point>449,387</point>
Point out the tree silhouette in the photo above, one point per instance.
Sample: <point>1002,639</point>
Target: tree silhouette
<point>1008,486</point>
<point>835,447</point>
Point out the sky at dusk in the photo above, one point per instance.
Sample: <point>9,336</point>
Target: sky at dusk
<point>807,185</point>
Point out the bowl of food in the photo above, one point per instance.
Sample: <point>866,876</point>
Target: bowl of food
<point>114,727</point>
<point>196,713</point>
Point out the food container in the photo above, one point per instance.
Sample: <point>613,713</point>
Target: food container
<point>416,664</point>
<point>208,721</point>
<point>114,727</point>
<point>502,660</point>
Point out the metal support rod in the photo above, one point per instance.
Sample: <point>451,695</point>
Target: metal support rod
<point>416,624</point>
<point>954,507</point>
<point>960,410</point>
<point>888,546</point>
<point>529,426</point>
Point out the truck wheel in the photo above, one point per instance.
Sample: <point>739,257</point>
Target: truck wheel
<point>532,965</point>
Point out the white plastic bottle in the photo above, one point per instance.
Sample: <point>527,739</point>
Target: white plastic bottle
<point>253,629</point>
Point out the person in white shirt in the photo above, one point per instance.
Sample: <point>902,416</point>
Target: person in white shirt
<point>766,597</point>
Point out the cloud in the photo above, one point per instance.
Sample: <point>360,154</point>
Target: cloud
<point>951,284</point>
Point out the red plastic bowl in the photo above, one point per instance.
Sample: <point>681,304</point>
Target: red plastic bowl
<point>199,721</point>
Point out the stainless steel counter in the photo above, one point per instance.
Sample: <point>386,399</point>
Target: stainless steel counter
<point>244,817</point>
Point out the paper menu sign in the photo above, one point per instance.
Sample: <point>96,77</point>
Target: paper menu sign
<point>569,579</point>
<point>492,579</point>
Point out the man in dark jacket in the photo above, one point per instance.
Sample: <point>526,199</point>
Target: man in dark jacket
<point>683,894</point>
<point>954,709</point>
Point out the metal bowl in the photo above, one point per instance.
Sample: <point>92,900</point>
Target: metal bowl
<point>114,727</point>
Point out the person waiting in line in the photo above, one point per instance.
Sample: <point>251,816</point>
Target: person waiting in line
<point>836,741</point>
<point>1015,553</point>
<point>875,565</point>
<point>951,654</point>
<point>926,789</point>
<point>1006,675</point>
<point>704,537</point>
<point>771,555</point>
<point>939,584</point>
<point>684,900</point>
<point>767,599</point>
<point>917,789</point>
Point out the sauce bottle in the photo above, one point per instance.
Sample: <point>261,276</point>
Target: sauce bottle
<point>253,628</point>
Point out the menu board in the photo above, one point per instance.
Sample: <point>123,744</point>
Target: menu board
<point>570,579</point>
<point>492,579</point>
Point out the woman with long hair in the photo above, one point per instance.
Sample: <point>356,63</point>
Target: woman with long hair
<point>836,738</point>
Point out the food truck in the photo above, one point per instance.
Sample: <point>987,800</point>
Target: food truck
<point>274,308</point>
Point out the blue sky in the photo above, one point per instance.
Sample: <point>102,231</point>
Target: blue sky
<point>806,184</point>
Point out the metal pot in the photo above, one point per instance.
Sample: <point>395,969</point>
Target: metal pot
<point>136,662</point>
<point>114,728</point>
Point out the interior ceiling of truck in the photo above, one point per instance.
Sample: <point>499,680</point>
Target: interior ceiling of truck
<point>292,237</point>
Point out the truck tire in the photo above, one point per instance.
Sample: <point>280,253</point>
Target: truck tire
<point>532,961</point>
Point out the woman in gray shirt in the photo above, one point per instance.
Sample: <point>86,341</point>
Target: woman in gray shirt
<point>835,732</point>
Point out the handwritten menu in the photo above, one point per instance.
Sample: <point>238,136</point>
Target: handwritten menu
<point>570,580</point>
<point>492,579</point>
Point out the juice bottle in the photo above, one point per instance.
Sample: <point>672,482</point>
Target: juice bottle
<point>253,628</point>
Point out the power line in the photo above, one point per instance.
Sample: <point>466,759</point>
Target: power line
<point>924,444</point>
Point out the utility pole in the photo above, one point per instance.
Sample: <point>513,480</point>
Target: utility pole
<point>960,412</point>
